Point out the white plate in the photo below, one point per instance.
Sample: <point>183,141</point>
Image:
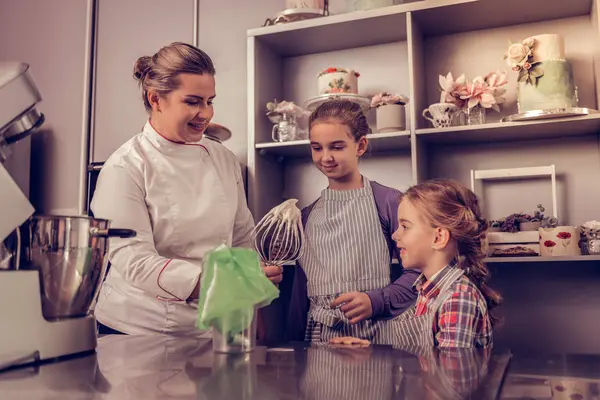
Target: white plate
<point>313,103</point>
<point>549,114</point>
<point>217,132</point>
<point>293,15</point>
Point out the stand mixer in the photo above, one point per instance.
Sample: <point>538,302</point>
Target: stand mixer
<point>46,298</point>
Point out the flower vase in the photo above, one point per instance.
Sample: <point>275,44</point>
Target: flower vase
<point>390,118</point>
<point>475,115</point>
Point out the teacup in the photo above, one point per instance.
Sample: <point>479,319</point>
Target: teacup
<point>442,114</point>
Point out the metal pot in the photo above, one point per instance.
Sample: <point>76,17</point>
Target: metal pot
<point>71,255</point>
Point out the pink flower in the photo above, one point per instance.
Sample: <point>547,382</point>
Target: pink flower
<point>494,81</point>
<point>526,66</point>
<point>478,93</point>
<point>516,68</point>
<point>452,89</point>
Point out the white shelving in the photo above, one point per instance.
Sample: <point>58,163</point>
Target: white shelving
<point>388,24</point>
<point>460,16</point>
<point>513,131</point>
<point>378,143</point>
<point>538,259</point>
<point>406,47</point>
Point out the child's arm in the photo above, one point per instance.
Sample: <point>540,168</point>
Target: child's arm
<point>387,302</point>
<point>459,321</point>
<point>395,298</point>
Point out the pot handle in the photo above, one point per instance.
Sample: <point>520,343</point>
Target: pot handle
<point>104,233</point>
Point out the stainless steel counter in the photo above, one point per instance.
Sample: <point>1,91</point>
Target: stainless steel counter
<point>154,367</point>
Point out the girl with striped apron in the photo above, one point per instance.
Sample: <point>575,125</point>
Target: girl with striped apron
<point>348,242</point>
<point>346,252</point>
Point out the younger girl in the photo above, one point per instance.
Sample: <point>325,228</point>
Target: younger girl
<point>343,284</point>
<point>442,233</point>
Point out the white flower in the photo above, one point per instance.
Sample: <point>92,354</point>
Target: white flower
<point>592,225</point>
<point>517,53</point>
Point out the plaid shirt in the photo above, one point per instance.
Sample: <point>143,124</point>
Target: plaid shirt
<point>462,320</point>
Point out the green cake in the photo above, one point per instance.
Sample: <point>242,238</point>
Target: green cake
<point>545,76</point>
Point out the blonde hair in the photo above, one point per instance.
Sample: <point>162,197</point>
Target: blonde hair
<point>161,71</point>
<point>344,112</point>
<point>450,205</point>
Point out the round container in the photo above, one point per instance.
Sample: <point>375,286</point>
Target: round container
<point>390,118</point>
<point>71,255</point>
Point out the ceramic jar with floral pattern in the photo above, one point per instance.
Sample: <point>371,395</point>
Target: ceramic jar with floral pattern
<point>559,241</point>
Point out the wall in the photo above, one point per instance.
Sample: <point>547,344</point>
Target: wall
<point>222,34</point>
<point>50,36</point>
<point>127,30</point>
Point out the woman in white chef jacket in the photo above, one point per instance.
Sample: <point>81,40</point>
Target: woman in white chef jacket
<point>183,195</point>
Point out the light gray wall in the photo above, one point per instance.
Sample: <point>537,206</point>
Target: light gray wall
<point>222,34</point>
<point>577,163</point>
<point>127,30</point>
<point>50,36</point>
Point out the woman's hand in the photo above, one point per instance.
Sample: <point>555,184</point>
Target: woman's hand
<point>356,306</point>
<point>273,272</point>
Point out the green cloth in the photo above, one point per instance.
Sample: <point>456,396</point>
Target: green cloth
<point>232,286</point>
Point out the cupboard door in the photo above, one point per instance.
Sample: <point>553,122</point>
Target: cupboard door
<point>125,31</point>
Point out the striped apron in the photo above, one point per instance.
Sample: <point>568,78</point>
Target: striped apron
<point>347,374</point>
<point>415,334</point>
<point>346,251</point>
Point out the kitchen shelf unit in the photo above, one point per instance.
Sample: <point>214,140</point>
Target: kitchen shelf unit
<point>404,48</point>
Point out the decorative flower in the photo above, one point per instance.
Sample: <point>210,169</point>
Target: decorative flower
<point>452,89</point>
<point>286,107</point>
<point>485,91</point>
<point>549,243</point>
<point>517,53</point>
<point>549,222</point>
<point>381,99</point>
<point>519,58</point>
<point>529,42</point>
<point>331,70</point>
<point>564,235</point>
<point>592,225</point>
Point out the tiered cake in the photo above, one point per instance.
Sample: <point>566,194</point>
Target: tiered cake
<point>338,80</point>
<point>545,76</point>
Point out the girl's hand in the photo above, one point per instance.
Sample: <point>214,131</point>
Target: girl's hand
<point>356,306</point>
<point>273,272</point>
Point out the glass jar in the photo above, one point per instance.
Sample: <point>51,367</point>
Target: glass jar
<point>475,115</point>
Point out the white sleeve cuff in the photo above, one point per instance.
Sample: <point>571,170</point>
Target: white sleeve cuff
<point>177,279</point>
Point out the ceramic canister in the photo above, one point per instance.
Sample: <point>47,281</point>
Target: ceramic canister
<point>559,241</point>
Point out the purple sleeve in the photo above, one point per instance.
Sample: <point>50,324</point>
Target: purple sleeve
<point>394,299</point>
